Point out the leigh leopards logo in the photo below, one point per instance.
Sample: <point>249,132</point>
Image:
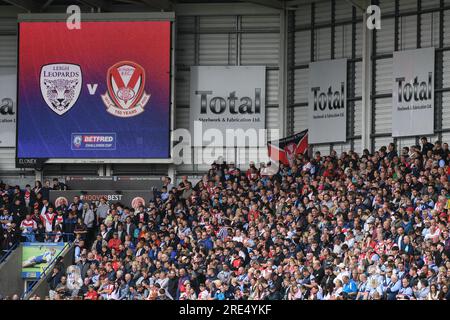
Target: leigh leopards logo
<point>125,96</point>
<point>60,86</point>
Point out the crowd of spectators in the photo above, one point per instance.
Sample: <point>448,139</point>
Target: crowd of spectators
<point>334,227</point>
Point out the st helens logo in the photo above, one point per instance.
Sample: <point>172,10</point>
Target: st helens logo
<point>125,96</point>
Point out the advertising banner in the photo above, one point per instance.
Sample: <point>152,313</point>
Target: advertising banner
<point>8,85</point>
<point>99,92</point>
<point>113,183</point>
<point>37,256</point>
<point>227,98</point>
<point>413,93</point>
<point>327,101</point>
<point>132,199</point>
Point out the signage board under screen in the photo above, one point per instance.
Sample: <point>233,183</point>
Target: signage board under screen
<point>91,94</point>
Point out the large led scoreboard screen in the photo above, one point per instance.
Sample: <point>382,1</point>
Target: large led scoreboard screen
<point>98,92</point>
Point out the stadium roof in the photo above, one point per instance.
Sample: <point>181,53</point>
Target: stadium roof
<point>165,5</point>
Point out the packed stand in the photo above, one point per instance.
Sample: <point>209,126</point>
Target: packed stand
<point>348,227</point>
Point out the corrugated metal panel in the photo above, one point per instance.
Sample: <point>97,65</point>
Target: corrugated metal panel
<point>358,79</point>
<point>180,154</point>
<point>300,119</point>
<point>446,137</point>
<point>343,41</point>
<point>252,23</point>
<point>271,87</point>
<point>446,72</point>
<point>185,24</point>
<point>343,11</point>
<point>206,156</point>
<point>342,147</point>
<point>380,142</point>
<point>301,81</point>
<point>447,27</point>
<point>358,117</point>
<point>7,159</point>
<point>324,149</point>
<point>322,44</point>
<point>273,134</point>
<point>8,26</point>
<point>214,49</point>
<point>405,142</point>
<point>185,49</point>
<point>260,48</point>
<point>272,118</point>
<point>386,6</point>
<point>257,155</point>
<point>182,118</point>
<point>385,36</point>
<point>445,111</point>
<point>408,33</point>
<point>182,88</point>
<point>430,30</point>
<point>302,47</point>
<point>303,16</point>
<point>357,146</point>
<point>359,39</point>
<point>8,51</point>
<point>430,4</point>
<point>408,5</point>
<point>211,23</point>
<point>323,12</point>
<point>383,72</point>
<point>383,115</point>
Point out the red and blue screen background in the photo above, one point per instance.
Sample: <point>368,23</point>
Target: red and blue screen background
<point>41,133</point>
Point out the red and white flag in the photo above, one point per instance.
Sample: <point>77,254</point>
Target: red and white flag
<point>284,150</point>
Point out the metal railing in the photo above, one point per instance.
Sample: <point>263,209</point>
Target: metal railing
<point>7,252</point>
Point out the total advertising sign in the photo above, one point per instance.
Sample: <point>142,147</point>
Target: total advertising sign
<point>227,97</point>
<point>8,107</point>
<point>413,93</point>
<point>327,101</point>
<point>99,92</point>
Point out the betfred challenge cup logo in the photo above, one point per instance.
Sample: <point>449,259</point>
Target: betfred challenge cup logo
<point>77,140</point>
<point>60,86</point>
<point>126,96</point>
